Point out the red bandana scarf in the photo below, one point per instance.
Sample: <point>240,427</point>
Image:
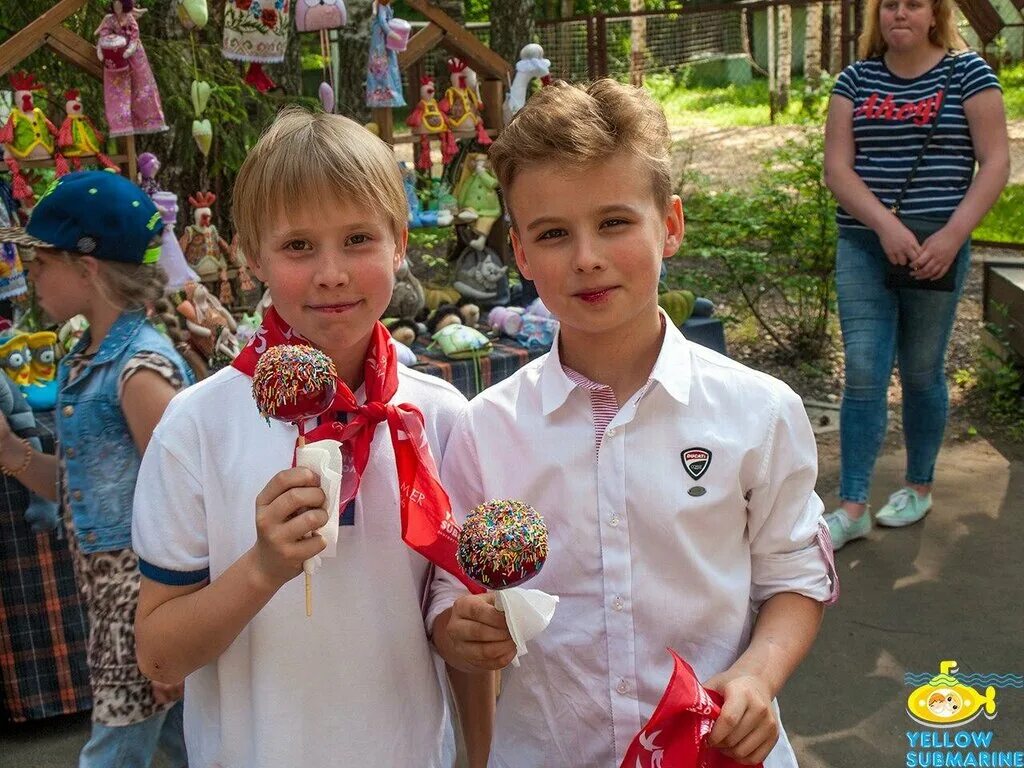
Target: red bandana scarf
<point>427,522</point>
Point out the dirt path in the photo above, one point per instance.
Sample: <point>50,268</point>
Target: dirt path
<point>733,156</point>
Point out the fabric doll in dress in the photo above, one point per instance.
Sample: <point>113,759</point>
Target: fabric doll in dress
<point>28,134</point>
<point>149,167</point>
<point>428,121</point>
<point>129,89</point>
<point>462,105</point>
<point>79,137</point>
<point>256,31</point>
<point>478,192</point>
<point>383,78</point>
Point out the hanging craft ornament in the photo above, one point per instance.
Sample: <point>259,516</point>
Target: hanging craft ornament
<point>28,134</point>
<point>130,94</point>
<point>78,136</point>
<point>193,14</point>
<point>383,78</point>
<point>316,15</point>
<point>256,31</point>
<point>200,96</point>
<point>202,132</point>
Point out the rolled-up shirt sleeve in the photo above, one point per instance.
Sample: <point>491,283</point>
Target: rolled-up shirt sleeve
<point>460,476</point>
<point>789,544</point>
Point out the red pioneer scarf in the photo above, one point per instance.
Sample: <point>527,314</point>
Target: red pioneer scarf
<point>427,522</point>
<point>676,734</point>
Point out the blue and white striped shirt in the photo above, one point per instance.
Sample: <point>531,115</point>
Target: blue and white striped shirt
<point>892,116</point>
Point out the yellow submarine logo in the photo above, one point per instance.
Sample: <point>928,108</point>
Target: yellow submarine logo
<point>945,702</point>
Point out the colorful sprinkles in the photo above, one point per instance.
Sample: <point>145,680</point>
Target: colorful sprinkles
<point>290,377</point>
<point>503,543</point>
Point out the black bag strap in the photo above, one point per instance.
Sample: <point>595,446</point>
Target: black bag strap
<point>928,138</point>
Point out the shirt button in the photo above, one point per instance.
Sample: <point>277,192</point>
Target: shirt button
<point>622,687</point>
<point>614,522</point>
<point>77,495</point>
<point>71,453</point>
<point>618,603</point>
<point>91,538</point>
<point>68,410</point>
<point>613,431</point>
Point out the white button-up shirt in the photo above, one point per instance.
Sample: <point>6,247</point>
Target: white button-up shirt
<point>643,554</point>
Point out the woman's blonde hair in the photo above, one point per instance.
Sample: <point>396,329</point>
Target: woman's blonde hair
<point>944,34</point>
<point>581,125</point>
<point>304,157</point>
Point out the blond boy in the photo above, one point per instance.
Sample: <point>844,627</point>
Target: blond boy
<point>221,524</point>
<point>678,486</point>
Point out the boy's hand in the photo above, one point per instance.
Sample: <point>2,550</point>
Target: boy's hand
<point>288,510</point>
<point>747,729</point>
<point>165,694</point>
<point>479,633</point>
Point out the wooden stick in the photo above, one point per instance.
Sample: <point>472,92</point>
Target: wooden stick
<point>309,581</point>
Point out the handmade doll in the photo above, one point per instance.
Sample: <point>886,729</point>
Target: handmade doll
<point>16,359</point>
<point>149,167</point>
<point>171,257</point>
<point>12,272</point>
<point>418,215</point>
<point>249,292</point>
<point>427,121</point>
<point>383,79</point>
<point>462,105</point>
<point>129,89</point>
<point>40,514</point>
<point>321,16</point>
<point>28,134</point>
<point>478,192</point>
<point>79,137</point>
<point>480,276</point>
<point>205,250</point>
<point>531,65</point>
<point>41,391</point>
<point>407,298</point>
<point>211,327</point>
<point>256,31</point>
<point>446,314</point>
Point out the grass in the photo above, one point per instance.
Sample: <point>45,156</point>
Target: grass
<point>687,103</point>
<point>1005,222</point>
<point>1012,80</point>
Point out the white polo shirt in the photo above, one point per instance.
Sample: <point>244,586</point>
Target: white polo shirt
<point>640,560</point>
<point>356,684</point>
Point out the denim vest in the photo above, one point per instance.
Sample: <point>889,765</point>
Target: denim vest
<point>100,457</point>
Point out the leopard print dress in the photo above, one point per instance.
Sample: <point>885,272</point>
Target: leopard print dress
<point>109,584</point>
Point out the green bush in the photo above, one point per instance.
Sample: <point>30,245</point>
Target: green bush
<point>1005,222</point>
<point>774,248</point>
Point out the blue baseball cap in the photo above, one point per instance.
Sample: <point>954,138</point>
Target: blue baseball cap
<point>93,213</point>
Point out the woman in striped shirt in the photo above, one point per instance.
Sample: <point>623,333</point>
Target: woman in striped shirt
<point>913,71</point>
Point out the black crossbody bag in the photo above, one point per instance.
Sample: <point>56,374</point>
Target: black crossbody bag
<point>899,275</point>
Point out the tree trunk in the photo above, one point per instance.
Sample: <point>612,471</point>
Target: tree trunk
<point>351,54</point>
<point>511,27</point>
<point>835,38</point>
<point>812,46</point>
<point>637,44</point>
<point>785,55</point>
<point>773,63</point>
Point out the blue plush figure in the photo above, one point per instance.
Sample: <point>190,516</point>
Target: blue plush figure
<point>41,515</point>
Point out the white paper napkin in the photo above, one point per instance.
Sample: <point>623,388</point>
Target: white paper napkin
<point>324,458</point>
<point>527,613</point>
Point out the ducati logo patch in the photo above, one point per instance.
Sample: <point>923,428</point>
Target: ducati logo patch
<point>696,461</point>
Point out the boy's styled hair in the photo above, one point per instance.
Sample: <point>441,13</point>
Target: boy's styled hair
<point>581,125</point>
<point>304,157</point>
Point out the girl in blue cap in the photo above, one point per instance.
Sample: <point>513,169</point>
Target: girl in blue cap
<point>91,245</point>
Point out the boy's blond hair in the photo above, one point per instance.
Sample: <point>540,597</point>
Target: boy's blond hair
<point>305,157</point>
<point>580,125</point>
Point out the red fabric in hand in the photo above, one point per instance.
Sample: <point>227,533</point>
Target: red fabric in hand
<point>676,734</point>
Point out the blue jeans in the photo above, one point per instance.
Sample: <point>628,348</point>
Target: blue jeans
<point>133,746</point>
<point>880,327</point>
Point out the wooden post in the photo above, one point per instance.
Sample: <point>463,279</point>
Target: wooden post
<point>133,158</point>
<point>385,121</point>
<point>591,49</point>
<point>844,32</point>
<point>772,63</point>
<point>601,30</point>
<point>492,92</point>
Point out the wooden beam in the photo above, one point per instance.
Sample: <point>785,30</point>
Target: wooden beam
<point>27,40</point>
<point>983,18</point>
<point>75,50</point>
<point>385,120</point>
<point>422,43</point>
<point>492,93</point>
<point>462,42</point>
